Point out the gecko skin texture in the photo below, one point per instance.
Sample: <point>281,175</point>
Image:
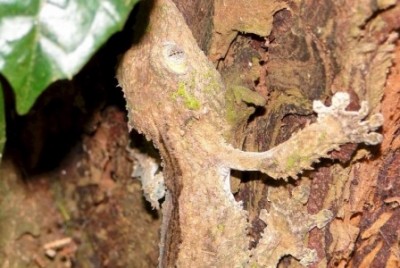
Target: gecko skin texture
<point>177,99</point>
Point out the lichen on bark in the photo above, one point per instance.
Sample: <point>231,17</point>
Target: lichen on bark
<point>206,227</point>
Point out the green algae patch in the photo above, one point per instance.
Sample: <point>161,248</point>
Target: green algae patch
<point>212,83</point>
<point>244,94</point>
<point>189,100</point>
<point>295,160</point>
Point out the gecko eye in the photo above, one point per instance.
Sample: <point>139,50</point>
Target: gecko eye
<point>174,57</point>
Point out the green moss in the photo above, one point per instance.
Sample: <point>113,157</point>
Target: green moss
<point>63,211</point>
<point>255,61</point>
<point>248,96</point>
<point>322,137</point>
<point>291,161</point>
<point>212,84</point>
<point>237,102</point>
<point>188,99</point>
<point>233,112</point>
<point>295,160</point>
<point>221,228</point>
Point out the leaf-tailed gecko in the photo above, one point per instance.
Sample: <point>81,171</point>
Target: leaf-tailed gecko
<point>177,99</point>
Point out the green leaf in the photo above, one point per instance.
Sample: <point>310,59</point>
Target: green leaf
<point>42,41</point>
<point>2,123</point>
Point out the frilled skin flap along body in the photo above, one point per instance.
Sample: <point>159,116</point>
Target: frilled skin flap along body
<point>177,99</point>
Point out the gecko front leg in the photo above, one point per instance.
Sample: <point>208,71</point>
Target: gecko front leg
<point>335,126</point>
<point>177,98</point>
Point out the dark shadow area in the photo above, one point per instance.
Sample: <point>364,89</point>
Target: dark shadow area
<point>41,139</point>
<point>72,152</point>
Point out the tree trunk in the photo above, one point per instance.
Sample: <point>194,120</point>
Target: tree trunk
<point>293,52</point>
<point>343,213</point>
<point>316,48</point>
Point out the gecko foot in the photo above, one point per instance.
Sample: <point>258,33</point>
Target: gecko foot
<point>354,127</point>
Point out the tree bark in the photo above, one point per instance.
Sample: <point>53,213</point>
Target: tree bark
<point>313,49</point>
<point>290,52</point>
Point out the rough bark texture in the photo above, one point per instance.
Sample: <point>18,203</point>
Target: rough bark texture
<point>316,47</point>
<point>328,46</point>
<point>306,56</point>
<point>90,202</point>
<point>290,53</point>
<point>198,15</point>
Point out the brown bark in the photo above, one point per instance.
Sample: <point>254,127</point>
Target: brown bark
<point>315,48</point>
<point>305,50</point>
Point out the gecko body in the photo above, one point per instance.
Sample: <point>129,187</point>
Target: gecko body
<point>176,97</point>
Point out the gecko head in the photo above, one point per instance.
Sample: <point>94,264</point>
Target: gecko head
<point>159,86</point>
<point>166,78</point>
